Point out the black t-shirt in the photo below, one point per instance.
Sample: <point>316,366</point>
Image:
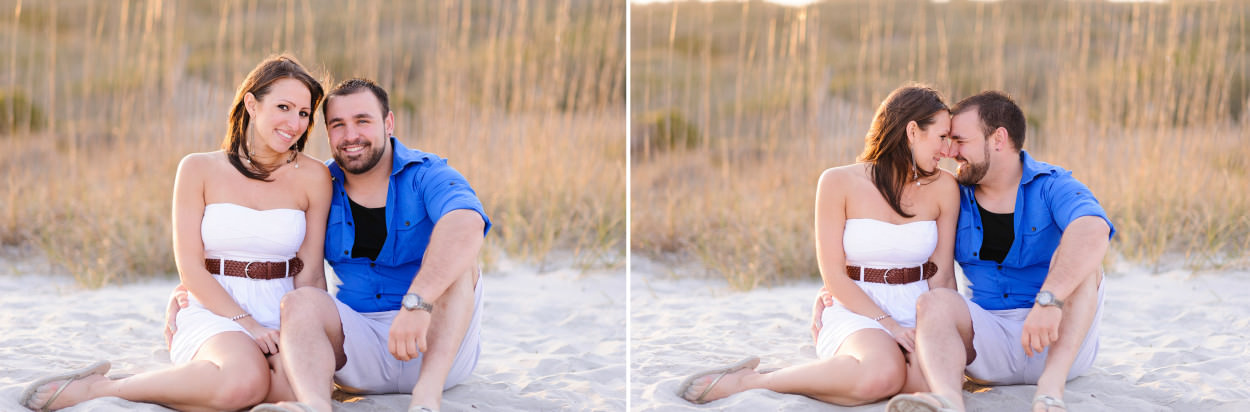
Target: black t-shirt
<point>370,230</point>
<point>998,236</point>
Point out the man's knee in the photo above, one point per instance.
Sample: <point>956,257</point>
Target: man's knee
<point>940,304</point>
<point>306,302</point>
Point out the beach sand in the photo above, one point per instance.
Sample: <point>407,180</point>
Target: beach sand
<point>552,341</point>
<point>1173,341</point>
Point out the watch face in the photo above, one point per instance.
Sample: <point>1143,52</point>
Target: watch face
<point>410,301</point>
<point>1045,298</point>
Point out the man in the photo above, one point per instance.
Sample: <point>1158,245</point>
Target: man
<point>1030,241</point>
<point>403,236</point>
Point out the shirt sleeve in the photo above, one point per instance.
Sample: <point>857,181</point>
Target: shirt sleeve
<point>1070,199</point>
<point>444,190</point>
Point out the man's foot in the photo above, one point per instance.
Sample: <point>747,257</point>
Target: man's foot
<point>919,402</point>
<point>1047,403</point>
<point>283,407</point>
<point>427,398</point>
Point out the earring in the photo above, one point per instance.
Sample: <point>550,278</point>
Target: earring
<point>915,175</point>
<point>294,158</point>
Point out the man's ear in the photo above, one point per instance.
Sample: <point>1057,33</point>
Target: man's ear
<point>1000,139</point>
<point>390,123</point>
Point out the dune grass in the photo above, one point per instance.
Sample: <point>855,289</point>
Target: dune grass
<point>525,98</point>
<point>1146,103</point>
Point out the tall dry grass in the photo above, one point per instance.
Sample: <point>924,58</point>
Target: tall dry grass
<point>1146,103</point>
<point>526,98</point>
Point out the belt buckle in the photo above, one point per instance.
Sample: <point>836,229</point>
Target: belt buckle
<point>886,276</point>
<point>245,270</point>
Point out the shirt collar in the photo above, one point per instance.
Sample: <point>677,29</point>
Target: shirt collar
<point>402,156</point>
<point>1031,169</point>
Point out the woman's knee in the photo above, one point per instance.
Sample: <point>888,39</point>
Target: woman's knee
<point>880,383</point>
<point>242,388</point>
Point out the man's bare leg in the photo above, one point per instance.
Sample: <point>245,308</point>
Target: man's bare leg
<point>944,342</point>
<point>1078,314</point>
<point>448,323</point>
<point>311,345</point>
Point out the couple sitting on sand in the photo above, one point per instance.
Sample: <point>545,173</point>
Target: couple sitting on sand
<point>251,227</point>
<point>1029,237</point>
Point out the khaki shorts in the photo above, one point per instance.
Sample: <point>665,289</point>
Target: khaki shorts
<point>1000,357</point>
<point>370,367</point>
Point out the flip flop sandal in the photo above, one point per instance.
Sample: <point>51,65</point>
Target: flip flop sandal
<point>918,403</point>
<point>421,408</point>
<point>28,395</point>
<point>1050,402</point>
<point>683,391</point>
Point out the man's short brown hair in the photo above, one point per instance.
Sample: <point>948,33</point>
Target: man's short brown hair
<point>996,110</point>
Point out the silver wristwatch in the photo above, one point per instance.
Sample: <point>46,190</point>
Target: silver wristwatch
<point>1045,298</point>
<point>413,301</point>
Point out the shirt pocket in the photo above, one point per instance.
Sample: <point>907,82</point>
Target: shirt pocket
<point>336,233</point>
<point>1039,239</point>
<point>412,232</point>
<point>964,242</point>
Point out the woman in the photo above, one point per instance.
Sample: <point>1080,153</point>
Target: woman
<point>885,233</point>
<point>245,221</point>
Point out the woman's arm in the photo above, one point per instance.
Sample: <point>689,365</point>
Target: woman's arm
<point>188,213</point>
<point>948,220</point>
<point>312,251</point>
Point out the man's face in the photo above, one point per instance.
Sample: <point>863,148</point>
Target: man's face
<point>969,148</point>
<point>358,130</point>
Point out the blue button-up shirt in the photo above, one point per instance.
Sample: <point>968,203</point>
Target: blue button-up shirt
<point>423,188</point>
<point>1048,199</point>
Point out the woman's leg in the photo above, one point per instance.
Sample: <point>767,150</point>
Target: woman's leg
<point>868,367</point>
<point>228,373</point>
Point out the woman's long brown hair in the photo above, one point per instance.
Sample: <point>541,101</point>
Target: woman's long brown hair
<point>258,83</point>
<point>885,146</point>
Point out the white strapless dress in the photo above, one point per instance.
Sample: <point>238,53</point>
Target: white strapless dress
<point>235,232</point>
<point>876,244</point>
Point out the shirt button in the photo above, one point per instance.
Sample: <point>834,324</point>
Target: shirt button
<point>974,253</point>
<point>380,296</point>
<point>1034,229</point>
<point>405,223</point>
<point>371,264</point>
<point>1000,267</point>
<point>349,223</point>
<point>1004,295</point>
<point>346,252</point>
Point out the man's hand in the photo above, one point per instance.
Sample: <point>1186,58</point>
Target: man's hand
<point>906,337</point>
<point>177,301</point>
<point>824,299</point>
<point>408,332</point>
<point>1041,329</point>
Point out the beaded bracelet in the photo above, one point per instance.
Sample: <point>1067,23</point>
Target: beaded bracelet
<point>240,316</point>
<point>883,316</point>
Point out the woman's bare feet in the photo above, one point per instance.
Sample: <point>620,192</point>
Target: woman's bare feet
<point>50,396</point>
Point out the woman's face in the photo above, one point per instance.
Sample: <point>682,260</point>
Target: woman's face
<point>280,117</point>
<point>927,145</point>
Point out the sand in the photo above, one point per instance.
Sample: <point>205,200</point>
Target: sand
<point>552,341</point>
<point>1170,341</point>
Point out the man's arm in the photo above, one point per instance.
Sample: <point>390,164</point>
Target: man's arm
<point>453,250</point>
<point>1078,257</point>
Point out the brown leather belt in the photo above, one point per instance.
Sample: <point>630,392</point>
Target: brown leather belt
<point>255,270</point>
<point>896,276</point>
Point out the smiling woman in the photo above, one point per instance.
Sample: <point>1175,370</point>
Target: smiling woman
<point>244,224</point>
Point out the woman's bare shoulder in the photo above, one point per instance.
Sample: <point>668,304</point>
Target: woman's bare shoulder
<point>202,162</point>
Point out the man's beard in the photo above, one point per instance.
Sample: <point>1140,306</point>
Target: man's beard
<point>363,164</point>
<point>969,173</point>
